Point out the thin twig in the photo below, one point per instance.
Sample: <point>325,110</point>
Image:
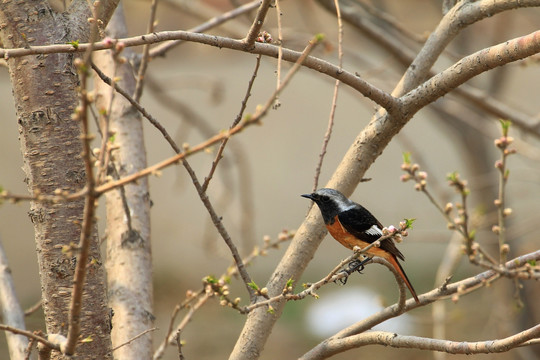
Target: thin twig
<point>330,126</point>
<point>146,52</point>
<point>163,48</point>
<point>134,338</point>
<point>75,308</point>
<point>31,335</point>
<point>219,154</point>
<point>249,40</point>
<point>221,229</point>
<point>137,106</point>
<point>170,336</point>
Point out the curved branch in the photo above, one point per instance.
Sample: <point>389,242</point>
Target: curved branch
<point>327,347</point>
<point>370,91</point>
<point>469,67</point>
<point>422,343</point>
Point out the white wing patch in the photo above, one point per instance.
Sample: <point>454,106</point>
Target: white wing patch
<point>343,206</point>
<point>374,230</point>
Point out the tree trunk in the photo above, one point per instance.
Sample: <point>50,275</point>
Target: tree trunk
<point>45,92</point>
<point>129,255</point>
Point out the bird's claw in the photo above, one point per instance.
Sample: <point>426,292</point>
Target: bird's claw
<point>355,265</point>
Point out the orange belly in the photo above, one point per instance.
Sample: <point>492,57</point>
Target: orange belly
<point>348,240</point>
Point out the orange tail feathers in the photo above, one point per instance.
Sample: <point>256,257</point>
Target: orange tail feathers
<point>395,263</point>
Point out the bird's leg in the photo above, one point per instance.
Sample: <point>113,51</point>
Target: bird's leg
<point>355,265</point>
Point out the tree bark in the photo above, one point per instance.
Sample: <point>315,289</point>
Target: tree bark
<point>45,88</point>
<point>129,255</point>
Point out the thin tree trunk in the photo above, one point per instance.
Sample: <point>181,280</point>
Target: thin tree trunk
<point>129,255</point>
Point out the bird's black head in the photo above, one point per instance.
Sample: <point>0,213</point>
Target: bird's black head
<point>331,202</point>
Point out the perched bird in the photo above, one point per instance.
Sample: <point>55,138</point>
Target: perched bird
<point>353,225</point>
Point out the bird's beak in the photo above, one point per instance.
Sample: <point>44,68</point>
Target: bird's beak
<point>309,196</point>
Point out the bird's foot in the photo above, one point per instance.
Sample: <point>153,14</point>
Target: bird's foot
<point>355,265</point>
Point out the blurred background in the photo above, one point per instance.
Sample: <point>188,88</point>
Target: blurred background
<point>196,91</point>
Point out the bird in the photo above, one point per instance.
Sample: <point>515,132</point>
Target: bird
<point>353,225</point>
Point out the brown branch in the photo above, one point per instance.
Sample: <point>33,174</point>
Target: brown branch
<point>134,338</point>
<point>219,154</point>
<point>415,342</point>
<point>334,276</point>
<point>405,56</point>
<point>31,335</point>
<point>255,29</point>
<point>461,287</point>
<point>471,66</point>
<point>158,354</point>
<point>330,126</point>
<point>87,227</point>
<point>137,106</point>
<point>145,55</point>
<point>379,96</point>
<point>163,48</point>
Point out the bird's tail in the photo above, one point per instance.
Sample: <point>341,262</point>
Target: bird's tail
<point>395,263</point>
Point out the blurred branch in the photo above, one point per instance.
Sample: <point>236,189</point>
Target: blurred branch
<point>405,56</point>
<point>162,49</point>
<point>12,313</point>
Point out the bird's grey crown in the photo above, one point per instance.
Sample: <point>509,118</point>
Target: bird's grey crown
<point>340,200</point>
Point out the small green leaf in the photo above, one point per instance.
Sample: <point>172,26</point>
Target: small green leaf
<point>210,279</point>
<point>407,157</point>
<point>505,124</point>
<point>289,282</point>
<point>453,176</point>
<point>87,339</point>
<point>319,37</point>
<point>532,262</point>
<point>75,43</point>
<point>409,222</point>
<point>253,286</point>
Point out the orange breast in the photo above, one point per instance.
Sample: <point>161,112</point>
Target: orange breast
<point>348,240</point>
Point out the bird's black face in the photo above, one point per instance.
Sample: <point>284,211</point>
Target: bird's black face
<point>318,198</point>
<point>328,202</point>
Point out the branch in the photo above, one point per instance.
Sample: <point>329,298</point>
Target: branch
<point>406,56</point>
<point>469,67</point>
<point>162,49</point>
<point>249,40</point>
<point>12,313</point>
<point>414,342</point>
<point>31,335</point>
<point>322,350</point>
<point>88,219</point>
<point>379,96</point>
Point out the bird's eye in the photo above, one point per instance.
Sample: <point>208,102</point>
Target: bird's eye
<point>325,199</point>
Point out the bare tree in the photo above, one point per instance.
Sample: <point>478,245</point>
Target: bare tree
<point>51,56</point>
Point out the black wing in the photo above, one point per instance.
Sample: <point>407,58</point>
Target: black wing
<point>362,224</point>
